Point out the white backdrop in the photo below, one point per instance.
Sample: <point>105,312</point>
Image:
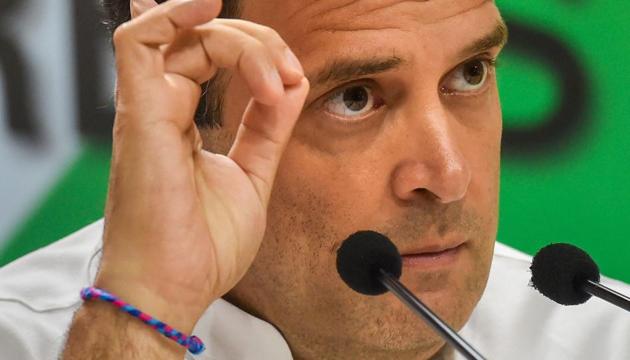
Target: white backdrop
<point>43,34</point>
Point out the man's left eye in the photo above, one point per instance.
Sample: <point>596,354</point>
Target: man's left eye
<point>468,77</point>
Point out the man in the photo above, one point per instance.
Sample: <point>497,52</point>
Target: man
<point>359,115</point>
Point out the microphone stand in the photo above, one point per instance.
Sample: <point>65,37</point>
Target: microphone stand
<point>605,293</point>
<point>448,334</point>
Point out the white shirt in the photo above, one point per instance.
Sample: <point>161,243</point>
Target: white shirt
<point>40,292</point>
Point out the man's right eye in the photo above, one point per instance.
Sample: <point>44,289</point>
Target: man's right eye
<point>352,103</point>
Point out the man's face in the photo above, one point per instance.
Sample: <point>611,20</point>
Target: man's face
<point>401,136</point>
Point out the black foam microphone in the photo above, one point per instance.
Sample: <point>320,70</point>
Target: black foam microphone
<point>369,263</point>
<point>567,275</point>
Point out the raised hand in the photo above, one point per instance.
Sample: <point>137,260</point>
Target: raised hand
<point>183,225</point>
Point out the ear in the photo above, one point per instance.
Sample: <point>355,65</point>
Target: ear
<point>138,7</point>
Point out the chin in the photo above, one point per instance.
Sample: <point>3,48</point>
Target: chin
<point>399,331</point>
<point>452,298</point>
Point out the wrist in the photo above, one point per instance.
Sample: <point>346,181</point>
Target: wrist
<point>178,313</point>
<point>98,325</point>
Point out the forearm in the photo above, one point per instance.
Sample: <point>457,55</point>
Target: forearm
<point>100,331</point>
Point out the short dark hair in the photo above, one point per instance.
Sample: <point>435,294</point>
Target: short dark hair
<point>209,111</point>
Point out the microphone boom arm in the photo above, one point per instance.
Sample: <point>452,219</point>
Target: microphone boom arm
<point>448,334</point>
<point>605,293</point>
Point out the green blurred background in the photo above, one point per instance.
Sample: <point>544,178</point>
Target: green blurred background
<point>565,172</point>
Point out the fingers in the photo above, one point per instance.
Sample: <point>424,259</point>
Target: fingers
<point>257,52</point>
<point>138,7</point>
<point>138,41</point>
<point>223,46</point>
<point>159,25</point>
<point>194,47</point>
<point>288,65</point>
<point>264,134</point>
<point>144,91</point>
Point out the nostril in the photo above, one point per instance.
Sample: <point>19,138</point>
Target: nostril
<point>443,180</point>
<point>426,194</point>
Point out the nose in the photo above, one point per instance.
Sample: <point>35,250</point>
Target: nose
<point>433,161</point>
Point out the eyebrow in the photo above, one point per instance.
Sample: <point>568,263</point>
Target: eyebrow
<point>341,70</point>
<point>496,38</point>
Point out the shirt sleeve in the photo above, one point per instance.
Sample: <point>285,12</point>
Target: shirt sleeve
<point>28,334</point>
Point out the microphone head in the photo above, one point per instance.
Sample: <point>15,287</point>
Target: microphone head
<point>559,270</point>
<point>360,258</point>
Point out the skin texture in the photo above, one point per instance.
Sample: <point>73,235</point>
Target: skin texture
<point>258,217</point>
<point>182,225</point>
<point>423,168</point>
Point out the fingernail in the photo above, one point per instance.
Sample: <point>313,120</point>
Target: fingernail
<point>273,77</point>
<point>293,61</point>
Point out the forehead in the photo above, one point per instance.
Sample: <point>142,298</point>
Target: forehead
<point>321,28</point>
<point>353,12</point>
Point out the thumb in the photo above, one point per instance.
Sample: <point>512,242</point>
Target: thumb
<point>139,7</point>
<point>263,135</point>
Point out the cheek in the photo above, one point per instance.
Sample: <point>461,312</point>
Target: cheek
<point>482,127</point>
<point>232,107</point>
<point>317,202</point>
<point>339,192</point>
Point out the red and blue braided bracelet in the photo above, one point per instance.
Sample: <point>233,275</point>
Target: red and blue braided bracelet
<point>192,343</point>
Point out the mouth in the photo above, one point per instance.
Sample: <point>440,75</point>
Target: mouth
<point>433,258</point>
